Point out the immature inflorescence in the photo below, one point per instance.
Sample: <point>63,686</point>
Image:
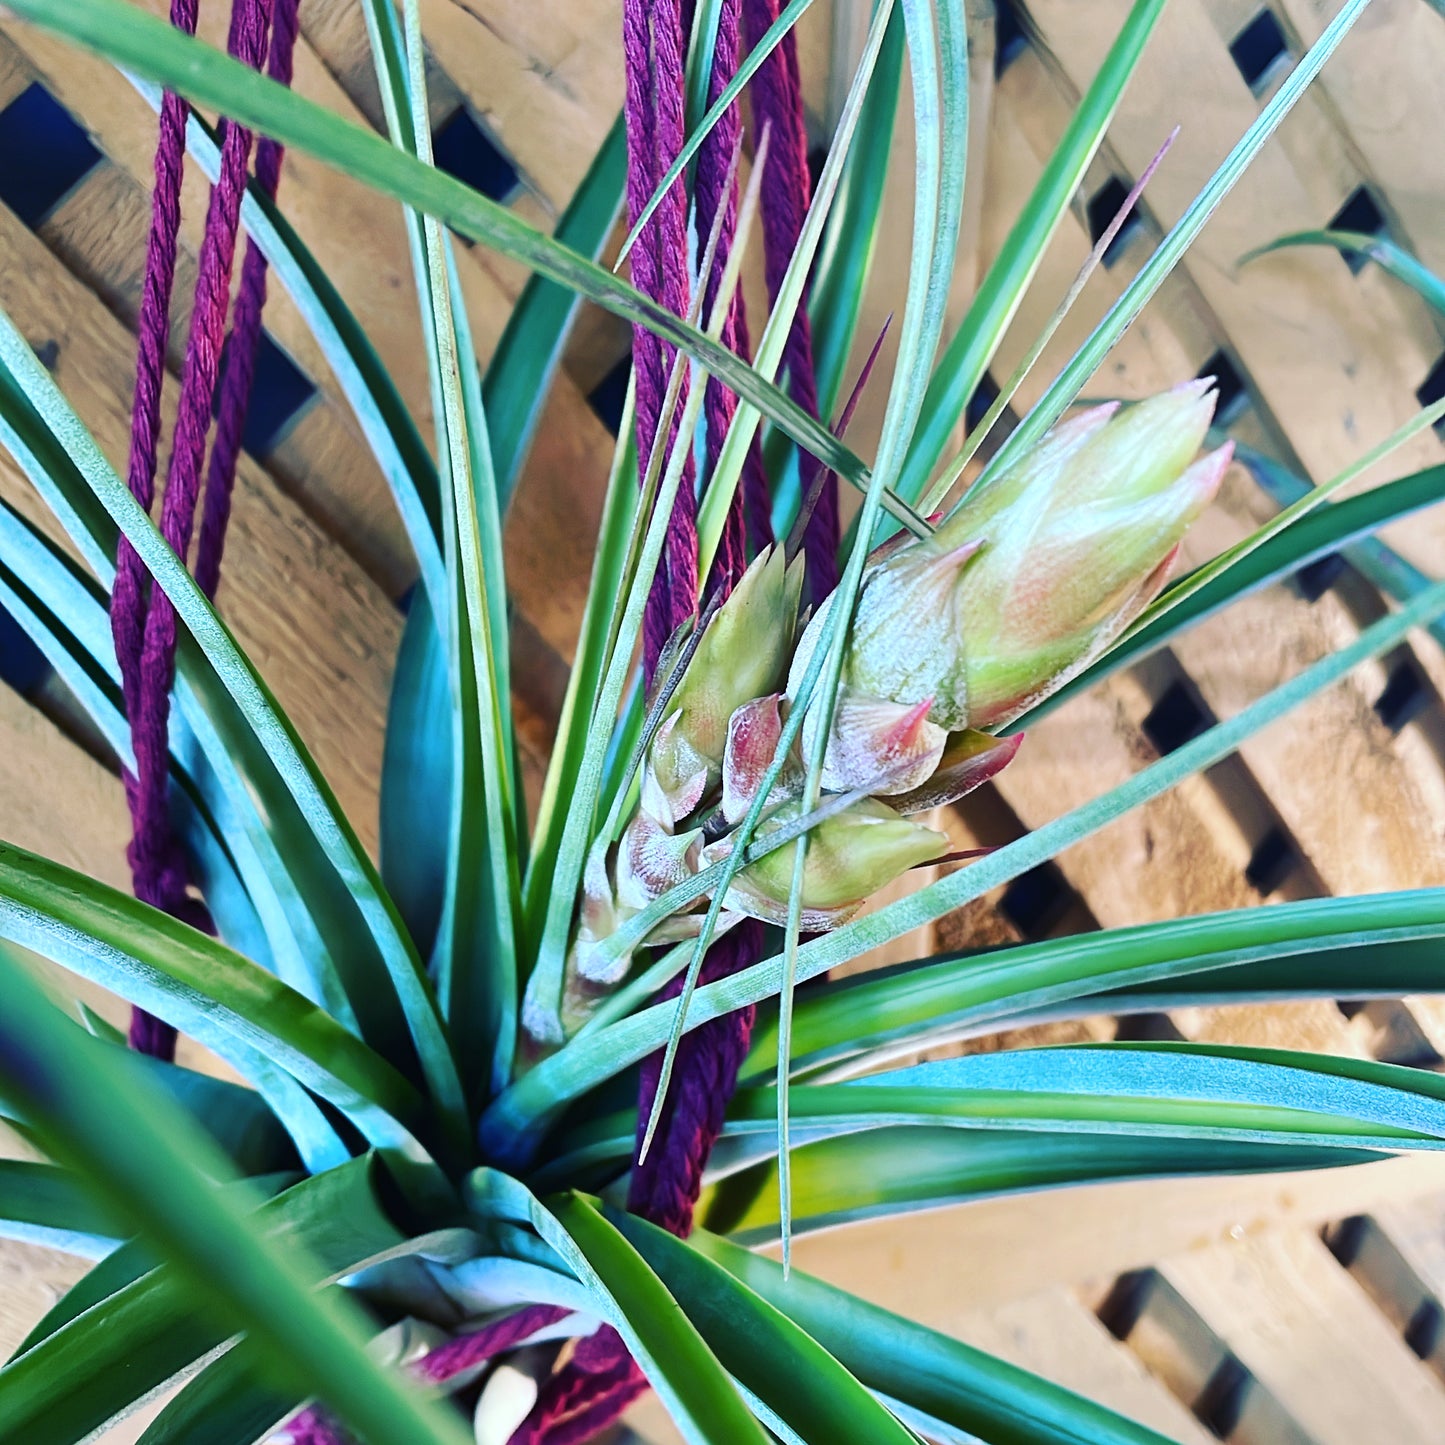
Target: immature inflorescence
<point>953,637</point>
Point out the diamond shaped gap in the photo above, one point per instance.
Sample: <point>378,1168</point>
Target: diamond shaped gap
<point>43,154</point>
<point>22,665</point>
<point>1010,36</point>
<point>609,397</point>
<point>1036,901</point>
<point>1274,858</point>
<point>1404,697</point>
<point>1260,50</point>
<point>463,149</point>
<point>1361,215</point>
<point>1177,717</point>
<point>1315,579</point>
<point>1432,389</point>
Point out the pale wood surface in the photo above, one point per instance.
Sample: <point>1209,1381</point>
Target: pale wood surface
<point>1307,1331</point>
<point>1331,361</point>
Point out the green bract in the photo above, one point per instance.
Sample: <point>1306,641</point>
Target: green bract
<point>1032,576</point>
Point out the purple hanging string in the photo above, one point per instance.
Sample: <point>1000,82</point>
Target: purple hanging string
<point>665,1186</point>
<point>716,186</point>
<point>653,54</point>
<point>240,360</point>
<point>777,100</point>
<point>158,881</point>
<point>313,1426</point>
<point>597,1385</point>
<point>145,632</point>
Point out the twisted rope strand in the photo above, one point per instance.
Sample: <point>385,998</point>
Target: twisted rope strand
<point>145,631</point>
<point>128,596</point>
<point>717,188</point>
<point>777,98</point>
<point>313,1426</point>
<point>240,356</point>
<point>652,48</point>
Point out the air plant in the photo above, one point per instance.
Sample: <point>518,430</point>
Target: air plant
<point>484,1081</point>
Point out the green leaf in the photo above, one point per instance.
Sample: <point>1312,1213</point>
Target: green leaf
<point>850,238</point>
<point>416,776</point>
<point>129,1343</point>
<point>1192,1091</point>
<point>200,986</point>
<point>896,1170</point>
<point>125,1264</point>
<point>866,1018</point>
<point>619,513</point>
<point>701,1399</point>
<point>968,354</point>
<point>1392,259</point>
<point>950,1382</point>
<point>514,1122</point>
<point>149,47</point>
<point>40,1204</point>
<point>227,1403</point>
<point>155,1171</point>
<point>363,378</point>
<point>476,961</point>
<point>222,781</point>
<point>527,356</point>
<point>1201,1091</point>
<point>266,726</point>
<point>91,679</point>
<point>474,954</point>
<point>759,1345</point>
<point>193,806</point>
<point>1375,969</point>
<point>239,1119</point>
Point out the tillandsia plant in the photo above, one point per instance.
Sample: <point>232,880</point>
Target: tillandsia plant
<point>492,1085</point>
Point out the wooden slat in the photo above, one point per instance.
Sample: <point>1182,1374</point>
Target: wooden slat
<point>83,824</point>
<point>362,245</point>
<point>1236,657</point>
<point>1416,1231</point>
<point>1053,1335</point>
<point>546,81</point>
<point>556,509</point>
<point>1169,1339</point>
<point>1297,322</point>
<point>1384,91</point>
<point>1310,1335</point>
<point>1050,1333</point>
<point>99,231</point>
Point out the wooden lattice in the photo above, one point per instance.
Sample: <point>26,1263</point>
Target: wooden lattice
<point>1285,1309</point>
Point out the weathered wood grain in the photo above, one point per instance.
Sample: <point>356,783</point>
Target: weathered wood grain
<point>320,631</point>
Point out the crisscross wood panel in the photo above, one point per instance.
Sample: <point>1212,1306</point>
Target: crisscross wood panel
<point>1306,1309</point>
